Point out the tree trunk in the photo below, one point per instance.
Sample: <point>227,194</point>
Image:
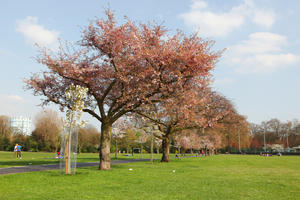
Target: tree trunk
<point>79,149</point>
<point>166,148</point>
<point>116,148</point>
<point>151,150</point>
<point>105,146</point>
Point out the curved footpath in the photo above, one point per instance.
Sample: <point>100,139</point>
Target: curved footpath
<point>45,167</point>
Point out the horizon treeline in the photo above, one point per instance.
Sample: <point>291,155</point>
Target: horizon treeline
<point>247,137</point>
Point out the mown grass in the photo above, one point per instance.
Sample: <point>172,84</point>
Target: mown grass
<point>214,177</point>
<point>8,159</point>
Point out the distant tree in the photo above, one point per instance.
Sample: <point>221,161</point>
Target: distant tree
<point>286,131</point>
<point>274,125</point>
<point>5,127</point>
<point>124,67</point>
<point>48,126</point>
<point>295,133</point>
<point>275,133</point>
<point>5,133</point>
<point>212,138</point>
<point>88,138</point>
<point>19,138</point>
<point>146,132</point>
<point>254,129</point>
<point>189,110</point>
<point>129,140</point>
<point>232,129</point>
<point>118,131</point>
<point>256,143</point>
<point>183,142</point>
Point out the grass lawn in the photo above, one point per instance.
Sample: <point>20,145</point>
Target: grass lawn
<point>215,177</point>
<point>8,159</point>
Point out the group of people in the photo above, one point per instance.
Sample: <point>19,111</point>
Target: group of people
<point>17,151</point>
<point>201,152</point>
<point>270,154</point>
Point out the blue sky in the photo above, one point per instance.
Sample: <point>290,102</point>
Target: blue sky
<point>259,70</point>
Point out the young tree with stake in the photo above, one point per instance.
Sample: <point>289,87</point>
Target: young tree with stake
<point>75,95</point>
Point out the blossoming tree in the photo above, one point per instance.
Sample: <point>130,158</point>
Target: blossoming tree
<point>124,67</point>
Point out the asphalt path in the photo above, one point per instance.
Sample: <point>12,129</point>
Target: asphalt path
<point>45,167</point>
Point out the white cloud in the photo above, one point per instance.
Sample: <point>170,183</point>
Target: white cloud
<point>15,105</point>
<point>37,34</point>
<point>213,24</point>
<point>208,23</point>
<point>11,98</point>
<point>262,52</point>
<point>260,42</point>
<point>264,18</point>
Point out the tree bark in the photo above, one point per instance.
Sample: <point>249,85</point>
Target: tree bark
<point>166,148</point>
<point>116,148</point>
<point>151,150</point>
<point>183,152</point>
<point>104,153</point>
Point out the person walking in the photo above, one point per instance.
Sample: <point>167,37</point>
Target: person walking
<point>19,151</point>
<point>202,152</point>
<point>15,149</point>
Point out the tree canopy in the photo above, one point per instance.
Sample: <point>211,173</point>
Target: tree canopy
<point>124,67</point>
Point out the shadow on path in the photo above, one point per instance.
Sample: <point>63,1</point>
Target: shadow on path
<point>33,168</point>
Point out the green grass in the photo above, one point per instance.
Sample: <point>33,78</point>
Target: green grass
<point>215,177</point>
<point>8,159</point>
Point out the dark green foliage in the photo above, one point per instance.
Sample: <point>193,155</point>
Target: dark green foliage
<point>4,144</point>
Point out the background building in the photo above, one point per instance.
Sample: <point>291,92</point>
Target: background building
<point>21,125</point>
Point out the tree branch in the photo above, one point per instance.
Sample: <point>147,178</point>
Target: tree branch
<point>156,121</point>
<point>93,114</point>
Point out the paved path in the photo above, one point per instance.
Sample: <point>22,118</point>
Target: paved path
<point>33,168</point>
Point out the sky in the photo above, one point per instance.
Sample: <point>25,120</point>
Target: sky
<point>258,71</point>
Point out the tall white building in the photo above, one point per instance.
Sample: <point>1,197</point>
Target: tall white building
<point>21,125</point>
